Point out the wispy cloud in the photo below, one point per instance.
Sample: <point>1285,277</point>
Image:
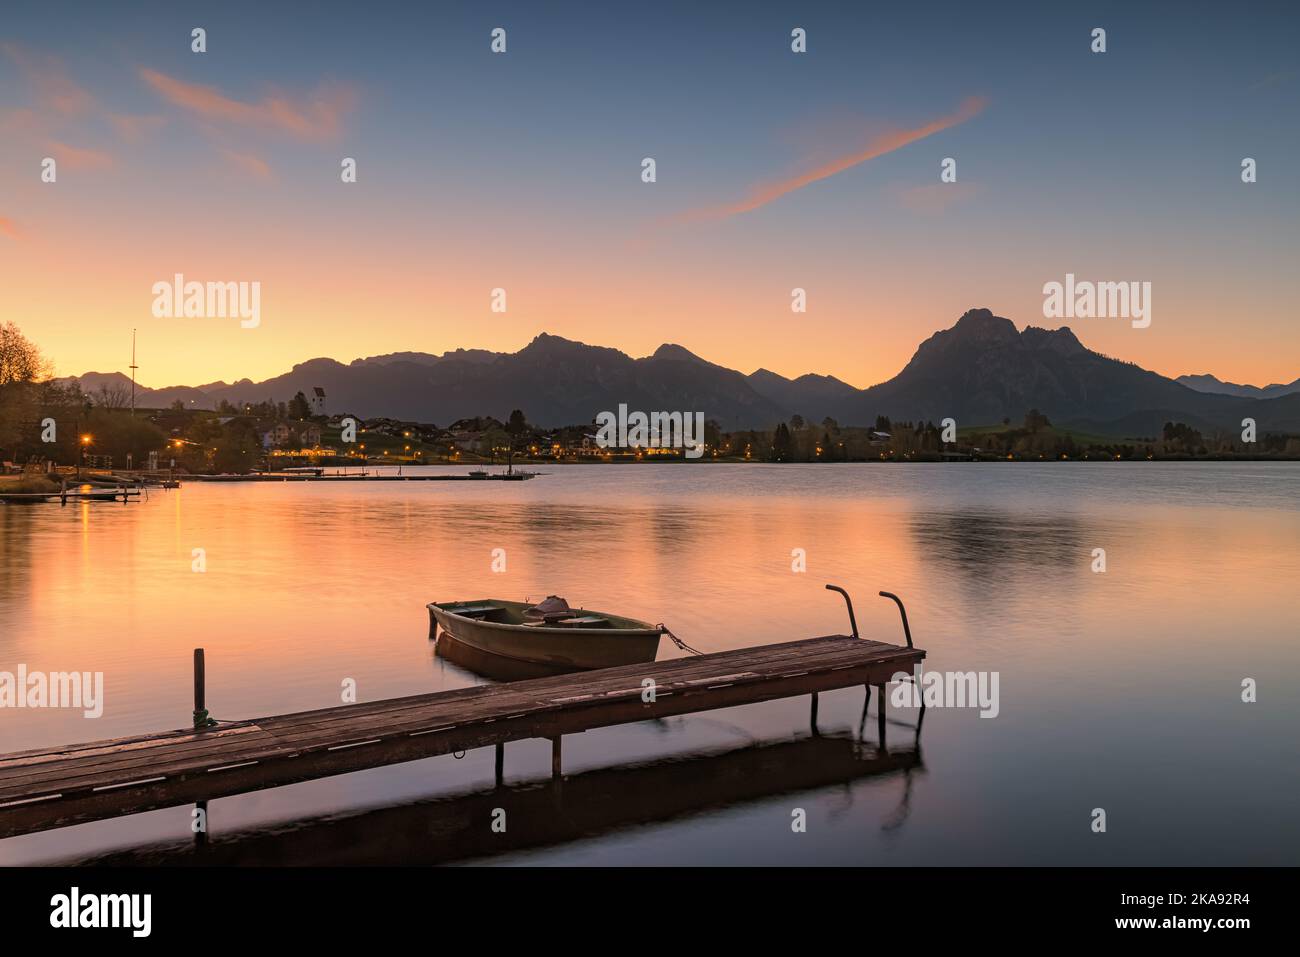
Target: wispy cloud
<point>133,128</point>
<point>248,163</point>
<point>55,89</point>
<point>935,198</point>
<point>20,122</point>
<point>318,117</point>
<point>1273,79</point>
<point>59,103</point>
<point>74,157</point>
<point>879,145</point>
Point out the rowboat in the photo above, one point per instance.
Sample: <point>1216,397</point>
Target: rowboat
<point>549,635</point>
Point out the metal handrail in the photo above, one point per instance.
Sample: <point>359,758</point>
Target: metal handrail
<point>907,630</point>
<point>902,611</point>
<point>848,601</point>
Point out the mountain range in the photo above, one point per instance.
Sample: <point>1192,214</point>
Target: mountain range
<point>979,371</point>
<point>1209,383</point>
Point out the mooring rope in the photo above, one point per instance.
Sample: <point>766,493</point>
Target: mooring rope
<point>677,641</point>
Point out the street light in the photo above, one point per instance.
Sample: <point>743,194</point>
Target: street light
<point>85,441</point>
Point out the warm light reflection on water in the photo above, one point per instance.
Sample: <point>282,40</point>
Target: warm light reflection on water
<point>1118,690</point>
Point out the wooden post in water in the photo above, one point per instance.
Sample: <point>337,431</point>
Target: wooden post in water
<point>501,763</point>
<point>813,718</point>
<point>200,722</point>
<point>200,680</point>
<point>880,715</point>
<point>555,757</point>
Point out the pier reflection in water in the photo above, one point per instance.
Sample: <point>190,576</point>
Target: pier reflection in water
<point>546,813</point>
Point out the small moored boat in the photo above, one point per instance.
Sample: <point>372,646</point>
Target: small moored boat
<point>550,634</point>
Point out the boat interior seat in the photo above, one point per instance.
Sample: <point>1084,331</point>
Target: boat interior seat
<point>474,611</point>
<point>550,617</point>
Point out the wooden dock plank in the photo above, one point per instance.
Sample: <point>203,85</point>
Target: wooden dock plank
<point>55,787</point>
<point>158,758</point>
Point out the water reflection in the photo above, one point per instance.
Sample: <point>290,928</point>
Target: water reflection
<point>457,827</point>
<point>988,545</point>
<point>15,551</point>
<point>494,667</point>
<point>310,584</point>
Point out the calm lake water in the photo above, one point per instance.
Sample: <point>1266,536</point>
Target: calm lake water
<point>1119,690</point>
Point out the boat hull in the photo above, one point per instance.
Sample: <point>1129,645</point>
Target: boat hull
<point>554,649</point>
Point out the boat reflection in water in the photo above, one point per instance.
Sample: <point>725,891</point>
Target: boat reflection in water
<point>547,813</point>
<point>486,665</point>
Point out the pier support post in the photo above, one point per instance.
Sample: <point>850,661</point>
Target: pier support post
<point>866,703</point>
<point>880,715</point>
<point>201,835</point>
<point>555,757</point>
<point>813,715</point>
<point>501,764</point>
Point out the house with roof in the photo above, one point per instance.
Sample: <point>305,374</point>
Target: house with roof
<point>277,436</point>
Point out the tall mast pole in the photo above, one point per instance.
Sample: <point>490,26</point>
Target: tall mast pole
<point>133,368</point>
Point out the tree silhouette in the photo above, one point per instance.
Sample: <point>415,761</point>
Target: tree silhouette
<point>781,444</point>
<point>298,407</point>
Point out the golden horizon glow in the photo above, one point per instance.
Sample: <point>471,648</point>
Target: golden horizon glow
<point>235,177</point>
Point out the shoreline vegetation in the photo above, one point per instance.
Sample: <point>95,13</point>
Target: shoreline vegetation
<point>47,426</point>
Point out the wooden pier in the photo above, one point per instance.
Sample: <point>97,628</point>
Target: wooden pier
<point>548,812</point>
<point>358,477</point>
<point>56,787</point>
<point>120,494</point>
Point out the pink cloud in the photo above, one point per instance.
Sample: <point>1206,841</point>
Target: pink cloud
<point>317,118</point>
<point>246,162</point>
<point>55,88</point>
<point>879,145</point>
<point>21,122</point>
<point>8,227</point>
<point>74,157</point>
<point>134,127</point>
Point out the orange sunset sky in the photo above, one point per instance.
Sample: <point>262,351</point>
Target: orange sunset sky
<point>523,171</point>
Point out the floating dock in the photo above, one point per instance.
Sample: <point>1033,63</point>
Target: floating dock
<point>57,787</point>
